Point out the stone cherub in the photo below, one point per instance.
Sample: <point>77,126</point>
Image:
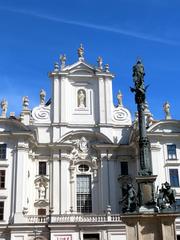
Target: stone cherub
<point>129,199</point>
<point>166,196</point>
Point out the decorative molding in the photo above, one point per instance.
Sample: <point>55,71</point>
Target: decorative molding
<point>121,115</point>
<point>41,114</point>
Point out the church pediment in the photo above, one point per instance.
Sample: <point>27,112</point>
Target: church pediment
<point>12,125</point>
<point>167,126</point>
<point>80,68</point>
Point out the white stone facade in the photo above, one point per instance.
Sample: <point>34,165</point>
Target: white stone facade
<point>77,146</point>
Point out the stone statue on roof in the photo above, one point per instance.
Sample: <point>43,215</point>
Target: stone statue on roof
<point>166,107</point>
<point>4,107</point>
<point>42,97</point>
<point>119,98</point>
<point>63,60</point>
<point>25,102</point>
<point>81,52</point>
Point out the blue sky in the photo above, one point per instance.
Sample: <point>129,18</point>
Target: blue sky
<point>34,33</point>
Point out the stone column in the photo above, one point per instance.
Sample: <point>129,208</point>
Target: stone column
<point>21,186</point>
<point>160,226</point>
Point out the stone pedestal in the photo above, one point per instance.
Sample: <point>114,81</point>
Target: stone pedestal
<point>156,226</point>
<point>146,192</point>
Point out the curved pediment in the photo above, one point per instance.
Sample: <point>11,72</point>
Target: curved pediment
<point>165,126</point>
<point>12,125</point>
<point>94,136</point>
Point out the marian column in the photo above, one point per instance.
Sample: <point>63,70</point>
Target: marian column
<point>145,179</point>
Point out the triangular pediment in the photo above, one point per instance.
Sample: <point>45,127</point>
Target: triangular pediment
<point>80,67</point>
<point>166,126</point>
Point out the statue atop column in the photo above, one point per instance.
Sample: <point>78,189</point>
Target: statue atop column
<point>140,99</point>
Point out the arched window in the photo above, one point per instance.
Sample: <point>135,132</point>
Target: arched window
<point>83,189</point>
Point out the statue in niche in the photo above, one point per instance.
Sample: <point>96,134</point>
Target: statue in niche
<point>83,144</point>
<point>42,191</point>
<point>25,102</point>
<point>81,99</point>
<point>4,106</point>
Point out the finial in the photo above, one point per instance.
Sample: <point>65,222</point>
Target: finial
<point>119,98</point>
<point>42,97</point>
<point>81,52</point>
<point>4,106</point>
<point>63,60</point>
<point>25,102</point>
<point>100,62</point>
<point>107,68</point>
<point>166,107</point>
<point>56,67</point>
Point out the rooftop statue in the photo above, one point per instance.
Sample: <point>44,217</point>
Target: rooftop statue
<point>42,97</point>
<point>166,107</point>
<point>81,52</point>
<point>63,60</point>
<point>119,98</point>
<point>25,102</point>
<point>100,62</point>
<point>4,107</point>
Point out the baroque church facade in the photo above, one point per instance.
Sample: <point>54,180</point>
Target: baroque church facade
<point>65,164</point>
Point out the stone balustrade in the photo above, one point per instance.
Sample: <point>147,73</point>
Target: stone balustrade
<point>74,218</point>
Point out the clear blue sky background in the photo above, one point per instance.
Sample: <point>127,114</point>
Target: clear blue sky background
<point>34,33</point>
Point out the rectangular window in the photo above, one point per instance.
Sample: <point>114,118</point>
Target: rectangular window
<point>84,201</point>
<point>1,210</point>
<point>2,151</point>
<point>174,177</point>
<point>42,168</point>
<point>171,151</point>
<point>124,168</point>
<point>41,211</point>
<point>2,179</point>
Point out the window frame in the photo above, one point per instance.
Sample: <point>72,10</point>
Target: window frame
<point>41,171</point>
<point>123,170</point>
<point>3,151</point>
<point>84,196</point>
<point>1,211</point>
<point>2,182</point>
<point>171,153</point>
<point>171,177</point>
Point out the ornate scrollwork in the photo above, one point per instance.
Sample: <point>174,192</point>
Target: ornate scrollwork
<point>120,114</point>
<point>41,114</point>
